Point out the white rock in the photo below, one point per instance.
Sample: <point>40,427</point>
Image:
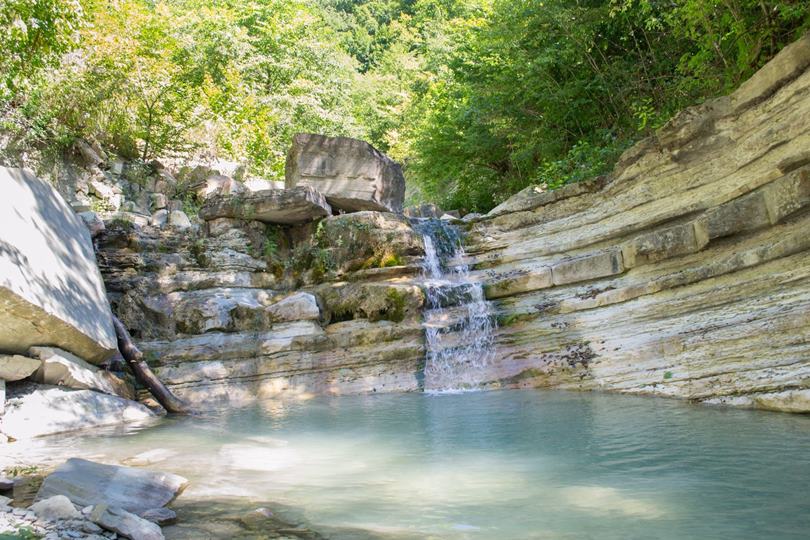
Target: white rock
<point>56,507</point>
<point>351,173</point>
<point>299,306</point>
<point>219,184</point>
<point>93,223</point>
<point>60,368</point>
<point>158,201</point>
<point>50,287</point>
<point>159,218</point>
<point>49,410</point>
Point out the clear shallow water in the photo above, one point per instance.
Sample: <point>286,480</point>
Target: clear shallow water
<point>493,465</point>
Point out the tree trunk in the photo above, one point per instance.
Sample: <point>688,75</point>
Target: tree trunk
<point>144,374</point>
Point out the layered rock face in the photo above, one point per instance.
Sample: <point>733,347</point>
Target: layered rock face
<point>51,292</point>
<point>686,273</point>
<point>351,173</point>
<point>241,310</point>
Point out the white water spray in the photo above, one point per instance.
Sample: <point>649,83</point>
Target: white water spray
<point>459,326</point>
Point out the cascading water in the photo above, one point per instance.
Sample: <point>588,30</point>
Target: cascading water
<point>459,326</point>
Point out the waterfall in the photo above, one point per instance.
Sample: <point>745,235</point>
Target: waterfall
<point>459,326</point>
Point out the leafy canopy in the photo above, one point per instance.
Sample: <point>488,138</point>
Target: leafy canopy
<point>478,98</point>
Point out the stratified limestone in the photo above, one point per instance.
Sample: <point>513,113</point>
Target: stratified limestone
<point>284,206</point>
<point>351,173</point>
<point>684,274</point>
<point>51,292</point>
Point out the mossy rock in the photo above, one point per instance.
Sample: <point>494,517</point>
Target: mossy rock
<point>372,301</point>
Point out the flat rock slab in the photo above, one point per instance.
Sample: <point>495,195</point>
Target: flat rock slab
<point>61,368</point>
<point>133,490</point>
<point>16,367</point>
<point>125,523</point>
<point>49,409</point>
<point>51,292</point>
<point>351,173</point>
<point>282,206</point>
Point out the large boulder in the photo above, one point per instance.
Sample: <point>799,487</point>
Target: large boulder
<point>88,483</point>
<point>351,173</point>
<point>283,206</point>
<point>51,292</point>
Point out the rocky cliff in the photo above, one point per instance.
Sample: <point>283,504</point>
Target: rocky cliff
<point>685,273</point>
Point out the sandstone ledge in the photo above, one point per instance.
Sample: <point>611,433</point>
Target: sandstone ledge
<point>684,275</point>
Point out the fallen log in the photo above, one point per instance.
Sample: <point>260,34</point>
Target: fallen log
<point>143,373</point>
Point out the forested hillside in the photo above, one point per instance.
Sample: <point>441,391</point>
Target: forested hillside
<point>478,98</point>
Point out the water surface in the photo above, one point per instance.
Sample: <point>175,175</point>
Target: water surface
<point>491,465</point>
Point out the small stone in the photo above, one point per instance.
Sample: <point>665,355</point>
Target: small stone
<point>159,218</point>
<point>56,507</point>
<point>93,223</point>
<point>179,220</point>
<point>158,201</point>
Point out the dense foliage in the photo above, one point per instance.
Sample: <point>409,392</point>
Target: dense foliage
<point>479,98</point>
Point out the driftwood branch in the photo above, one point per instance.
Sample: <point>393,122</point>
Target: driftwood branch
<point>144,375</point>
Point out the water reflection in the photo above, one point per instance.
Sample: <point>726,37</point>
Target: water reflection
<point>495,465</point>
